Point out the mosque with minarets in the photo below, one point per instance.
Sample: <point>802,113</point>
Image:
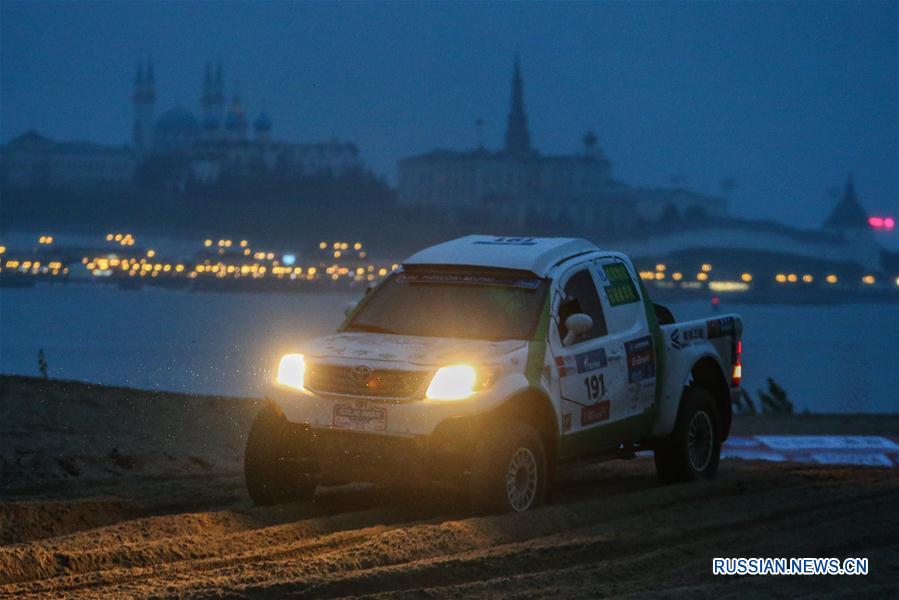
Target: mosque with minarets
<point>222,137</point>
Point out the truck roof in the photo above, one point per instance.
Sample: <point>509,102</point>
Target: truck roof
<point>537,255</point>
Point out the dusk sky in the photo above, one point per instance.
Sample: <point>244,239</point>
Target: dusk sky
<point>784,97</point>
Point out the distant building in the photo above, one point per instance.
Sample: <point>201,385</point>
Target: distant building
<point>518,183</point>
<point>845,237</point>
<point>32,160</point>
<point>221,139</point>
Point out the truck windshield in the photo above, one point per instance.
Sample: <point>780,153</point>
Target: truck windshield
<point>454,305</point>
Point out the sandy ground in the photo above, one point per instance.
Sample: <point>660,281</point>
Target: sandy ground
<point>89,508</point>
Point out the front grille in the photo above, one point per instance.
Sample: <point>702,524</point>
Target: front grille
<point>380,383</point>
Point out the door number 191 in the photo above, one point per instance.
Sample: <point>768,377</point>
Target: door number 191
<point>596,387</point>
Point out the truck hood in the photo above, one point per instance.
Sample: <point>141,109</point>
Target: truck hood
<point>410,349</point>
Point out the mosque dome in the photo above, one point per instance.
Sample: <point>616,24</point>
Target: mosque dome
<point>262,123</point>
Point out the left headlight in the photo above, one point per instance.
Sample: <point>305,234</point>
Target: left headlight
<point>291,370</point>
<point>455,382</point>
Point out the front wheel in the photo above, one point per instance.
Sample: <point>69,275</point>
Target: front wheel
<point>509,471</point>
<point>276,463</point>
<point>693,449</point>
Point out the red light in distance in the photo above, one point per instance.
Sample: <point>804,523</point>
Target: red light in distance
<point>885,223</point>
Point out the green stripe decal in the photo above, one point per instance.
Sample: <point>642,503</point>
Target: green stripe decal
<point>658,343</point>
<point>537,347</point>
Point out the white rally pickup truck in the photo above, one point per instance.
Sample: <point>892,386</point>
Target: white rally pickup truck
<point>486,363</point>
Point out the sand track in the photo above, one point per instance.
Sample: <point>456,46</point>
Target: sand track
<point>612,531</point>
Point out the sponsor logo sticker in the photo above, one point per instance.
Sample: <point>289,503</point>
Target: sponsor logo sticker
<point>752,454</point>
<point>683,338</point>
<point>508,241</point>
<point>868,459</point>
<point>596,413</point>
<point>720,327</point>
<point>365,418</point>
<point>591,361</point>
<point>566,365</point>
<point>640,359</point>
<point>828,442</point>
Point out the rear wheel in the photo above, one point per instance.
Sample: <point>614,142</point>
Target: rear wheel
<point>509,471</point>
<point>277,461</point>
<point>693,449</point>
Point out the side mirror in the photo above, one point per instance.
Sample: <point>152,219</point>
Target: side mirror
<point>349,307</point>
<point>577,325</point>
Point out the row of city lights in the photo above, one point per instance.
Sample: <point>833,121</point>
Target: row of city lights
<point>703,275</point>
<point>122,239</point>
<point>102,265</point>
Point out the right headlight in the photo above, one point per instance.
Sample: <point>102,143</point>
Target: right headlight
<point>455,382</point>
<point>291,371</point>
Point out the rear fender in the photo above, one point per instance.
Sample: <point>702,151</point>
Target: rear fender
<point>697,364</point>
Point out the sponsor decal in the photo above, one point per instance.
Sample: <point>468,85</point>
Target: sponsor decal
<point>681,339</point>
<point>566,422</point>
<point>828,442</point>
<point>591,361</point>
<point>742,442</point>
<point>869,459</point>
<point>861,450</point>
<point>468,279</point>
<point>507,241</point>
<point>621,288</point>
<point>640,359</point>
<point>720,327</point>
<point>566,365</point>
<point>366,418</point>
<point>596,413</point>
<point>751,454</point>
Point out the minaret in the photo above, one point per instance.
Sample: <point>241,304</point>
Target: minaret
<point>206,98</point>
<point>218,94</point>
<point>518,140</point>
<point>143,99</point>
<point>207,103</point>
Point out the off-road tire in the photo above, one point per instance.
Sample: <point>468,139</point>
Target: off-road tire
<point>274,467</point>
<point>693,449</point>
<point>508,449</point>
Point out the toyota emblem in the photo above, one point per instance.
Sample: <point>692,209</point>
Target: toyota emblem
<point>361,374</point>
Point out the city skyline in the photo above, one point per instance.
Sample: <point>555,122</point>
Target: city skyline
<point>785,151</point>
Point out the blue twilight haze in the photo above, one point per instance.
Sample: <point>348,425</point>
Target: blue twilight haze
<point>784,97</point>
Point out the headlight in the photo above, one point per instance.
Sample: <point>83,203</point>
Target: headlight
<point>291,370</point>
<point>456,382</point>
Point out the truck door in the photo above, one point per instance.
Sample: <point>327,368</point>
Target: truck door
<point>591,370</point>
<point>625,318</point>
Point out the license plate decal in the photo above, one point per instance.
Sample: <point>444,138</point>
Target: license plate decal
<point>363,418</point>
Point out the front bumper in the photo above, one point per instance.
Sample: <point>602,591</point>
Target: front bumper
<point>401,419</point>
<point>421,440</point>
<point>339,456</point>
